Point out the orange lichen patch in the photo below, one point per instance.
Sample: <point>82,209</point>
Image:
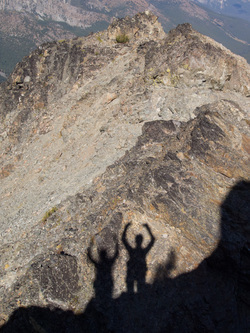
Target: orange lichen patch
<point>39,105</point>
<point>59,248</point>
<point>246,143</point>
<point>3,319</point>
<point>6,170</point>
<point>129,216</point>
<point>100,188</point>
<point>110,97</point>
<point>216,202</point>
<point>149,275</point>
<point>231,128</point>
<point>224,171</point>
<point>151,207</point>
<point>192,174</point>
<point>181,156</point>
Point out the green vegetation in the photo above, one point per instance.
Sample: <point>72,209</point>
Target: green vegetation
<point>122,39</point>
<point>49,213</point>
<point>99,39</point>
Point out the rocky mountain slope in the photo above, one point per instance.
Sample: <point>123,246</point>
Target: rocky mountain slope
<point>102,141</point>
<point>26,24</point>
<point>240,9</point>
<point>57,10</point>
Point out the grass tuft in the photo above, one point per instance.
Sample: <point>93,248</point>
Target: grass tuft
<point>122,39</point>
<point>49,213</point>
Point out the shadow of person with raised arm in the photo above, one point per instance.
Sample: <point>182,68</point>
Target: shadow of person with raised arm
<point>136,265</point>
<point>98,315</point>
<point>104,283</point>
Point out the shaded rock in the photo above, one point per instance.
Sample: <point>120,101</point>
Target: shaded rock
<point>57,276</point>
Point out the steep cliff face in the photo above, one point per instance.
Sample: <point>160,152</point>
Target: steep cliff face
<point>139,151</point>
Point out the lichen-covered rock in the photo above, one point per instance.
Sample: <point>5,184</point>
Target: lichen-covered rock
<point>144,25</point>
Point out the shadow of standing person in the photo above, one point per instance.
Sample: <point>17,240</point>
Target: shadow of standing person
<point>99,313</point>
<point>136,265</point>
<point>103,284</point>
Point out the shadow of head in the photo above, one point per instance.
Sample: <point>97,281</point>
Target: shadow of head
<point>139,240</point>
<point>103,255</point>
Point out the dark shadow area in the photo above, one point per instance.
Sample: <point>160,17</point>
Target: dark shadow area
<point>215,297</point>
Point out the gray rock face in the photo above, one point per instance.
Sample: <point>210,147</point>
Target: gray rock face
<point>126,202</point>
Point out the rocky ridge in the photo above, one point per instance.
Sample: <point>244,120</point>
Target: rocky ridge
<point>29,22</point>
<point>70,111</point>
